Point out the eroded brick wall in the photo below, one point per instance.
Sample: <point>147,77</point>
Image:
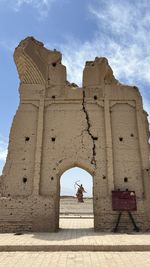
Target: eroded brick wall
<point>100,127</point>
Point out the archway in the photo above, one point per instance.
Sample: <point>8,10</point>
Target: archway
<point>69,206</point>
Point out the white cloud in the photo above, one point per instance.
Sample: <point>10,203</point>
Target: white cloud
<point>122,36</point>
<point>125,26</point>
<point>42,6</point>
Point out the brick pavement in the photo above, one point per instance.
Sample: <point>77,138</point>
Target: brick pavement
<point>75,235</point>
<point>78,233</point>
<point>75,259</point>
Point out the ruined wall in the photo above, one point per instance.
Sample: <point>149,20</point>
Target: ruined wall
<point>100,127</point>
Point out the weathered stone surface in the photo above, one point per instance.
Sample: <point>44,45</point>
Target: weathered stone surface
<point>100,127</point>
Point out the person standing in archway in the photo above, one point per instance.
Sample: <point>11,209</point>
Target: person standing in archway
<point>80,192</point>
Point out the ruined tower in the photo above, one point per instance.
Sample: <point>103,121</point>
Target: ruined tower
<point>100,127</point>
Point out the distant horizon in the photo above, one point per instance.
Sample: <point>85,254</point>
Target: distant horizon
<point>68,196</point>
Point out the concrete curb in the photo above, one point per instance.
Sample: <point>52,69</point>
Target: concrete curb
<point>108,248</point>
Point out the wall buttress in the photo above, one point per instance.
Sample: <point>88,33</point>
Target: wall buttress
<point>38,152</point>
<point>142,147</point>
<point>109,152</point>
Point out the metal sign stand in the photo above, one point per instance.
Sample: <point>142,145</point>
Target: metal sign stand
<point>136,228</point>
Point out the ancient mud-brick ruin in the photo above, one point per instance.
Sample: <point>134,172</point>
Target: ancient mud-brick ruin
<point>100,127</point>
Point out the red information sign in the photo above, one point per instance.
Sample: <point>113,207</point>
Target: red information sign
<point>124,200</point>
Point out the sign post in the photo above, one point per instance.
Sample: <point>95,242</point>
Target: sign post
<point>124,201</point>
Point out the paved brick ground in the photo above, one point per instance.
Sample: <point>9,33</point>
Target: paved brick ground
<point>75,259</point>
<point>76,232</point>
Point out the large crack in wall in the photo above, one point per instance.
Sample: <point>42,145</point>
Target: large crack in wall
<point>93,160</point>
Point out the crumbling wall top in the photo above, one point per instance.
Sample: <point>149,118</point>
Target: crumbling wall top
<point>33,59</point>
<point>98,72</point>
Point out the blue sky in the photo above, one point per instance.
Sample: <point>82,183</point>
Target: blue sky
<point>81,30</point>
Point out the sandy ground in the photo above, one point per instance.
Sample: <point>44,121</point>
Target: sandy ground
<point>70,205</point>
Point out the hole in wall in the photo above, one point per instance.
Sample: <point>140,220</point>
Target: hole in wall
<point>95,138</point>
<point>54,64</point>
<point>53,139</point>
<point>132,135</point>
<point>18,233</point>
<point>27,138</point>
<point>125,179</point>
<point>120,139</point>
<point>95,97</point>
<point>52,178</point>
<point>104,177</point>
<point>24,180</point>
<point>53,96</point>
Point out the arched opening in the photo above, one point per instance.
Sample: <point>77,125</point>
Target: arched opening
<point>76,207</point>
